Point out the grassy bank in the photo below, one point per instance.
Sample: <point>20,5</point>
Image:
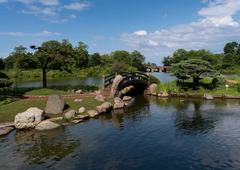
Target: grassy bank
<point>8,111</point>
<point>221,89</point>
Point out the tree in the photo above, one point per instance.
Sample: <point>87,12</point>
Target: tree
<point>121,56</point>
<point>167,61</point>
<point>53,55</point>
<point>95,59</point>
<point>2,64</point>
<point>137,60</point>
<point>19,53</point>
<point>193,68</point>
<point>81,55</point>
<point>179,56</point>
<point>231,48</point>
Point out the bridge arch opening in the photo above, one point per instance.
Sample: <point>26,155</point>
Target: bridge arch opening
<point>139,80</point>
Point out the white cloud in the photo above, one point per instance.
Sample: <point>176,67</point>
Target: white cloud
<point>215,27</point>
<point>140,32</point>
<point>77,6</point>
<point>24,34</point>
<point>49,2</point>
<point>45,11</point>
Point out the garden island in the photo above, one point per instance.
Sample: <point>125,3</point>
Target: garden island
<point>164,99</point>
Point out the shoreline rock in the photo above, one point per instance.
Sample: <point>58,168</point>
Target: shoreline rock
<point>47,125</point>
<point>55,104</point>
<point>28,119</point>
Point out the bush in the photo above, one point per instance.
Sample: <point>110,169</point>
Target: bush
<point>238,87</point>
<point>170,87</point>
<point>153,79</point>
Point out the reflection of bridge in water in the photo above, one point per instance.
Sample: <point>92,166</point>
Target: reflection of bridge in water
<point>164,69</point>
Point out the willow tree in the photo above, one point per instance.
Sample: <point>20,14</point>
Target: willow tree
<point>53,55</point>
<point>194,69</point>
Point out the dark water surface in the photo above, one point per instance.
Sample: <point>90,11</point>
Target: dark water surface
<point>58,83</point>
<point>172,134</point>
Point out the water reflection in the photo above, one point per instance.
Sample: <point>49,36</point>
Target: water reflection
<point>45,147</point>
<point>192,121</point>
<point>138,110</point>
<point>171,134</point>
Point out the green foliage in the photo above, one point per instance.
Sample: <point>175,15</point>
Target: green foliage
<point>153,79</point>
<point>5,100</point>
<point>81,55</point>
<point>194,68</point>
<point>167,61</point>
<point>95,59</point>
<point>170,87</point>
<point>238,87</point>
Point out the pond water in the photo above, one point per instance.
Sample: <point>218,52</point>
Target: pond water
<point>151,134</point>
<point>59,83</point>
<point>163,77</point>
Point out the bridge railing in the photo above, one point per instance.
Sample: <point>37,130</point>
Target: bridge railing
<point>108,80</point>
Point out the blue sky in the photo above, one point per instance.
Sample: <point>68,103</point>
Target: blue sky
<point>154,27</point>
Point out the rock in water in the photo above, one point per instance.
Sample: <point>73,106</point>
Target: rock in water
<point>126,90</point>
<point>55,104</point>
<point>28,119</point>
<point>117,100</point>
<point>47,125</point>
<point>163,94</point>
<point>208,96</point>
<point>5,130</point>
<point>92,113</point>
<point>118,105</point>
<point>153,88</point>
<point>70,114</point>
<point>103,107</point>
<point>127,98</point>
<point>115,84</point>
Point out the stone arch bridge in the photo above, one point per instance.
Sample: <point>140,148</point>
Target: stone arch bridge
<point>139,80</point>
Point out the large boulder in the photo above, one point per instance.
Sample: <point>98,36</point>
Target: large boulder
<point>153,88</point>
<point>100,98</point>
<point>115,84</point>
<point>104,107</point>
<point>47,125</point>
<point>92,113</point>
<point>70,114</point>
<point>28,119</point>
<point>55,104</point>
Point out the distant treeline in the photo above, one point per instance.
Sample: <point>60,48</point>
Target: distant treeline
<point>55,53</point>
<point>228,61</point>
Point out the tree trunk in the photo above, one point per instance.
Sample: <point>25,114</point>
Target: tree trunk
<point>44,78</point>
<point>196,81</point>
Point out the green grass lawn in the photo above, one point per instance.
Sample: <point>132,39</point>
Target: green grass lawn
<point>47,92</point>
<point>8,111</point>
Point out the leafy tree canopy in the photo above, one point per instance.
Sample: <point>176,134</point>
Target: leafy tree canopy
<point>193,68</point>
